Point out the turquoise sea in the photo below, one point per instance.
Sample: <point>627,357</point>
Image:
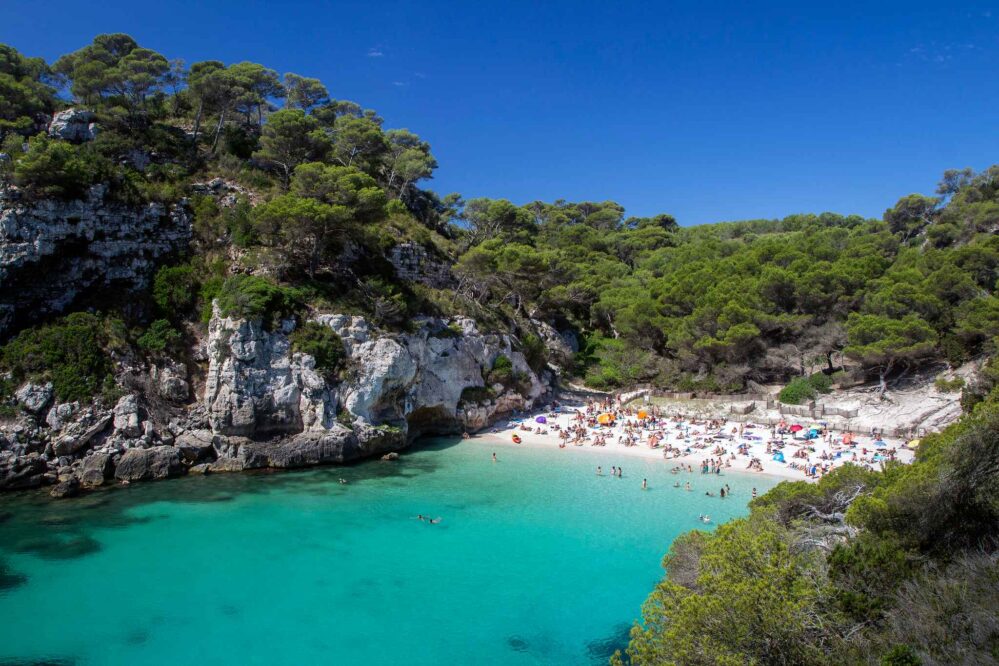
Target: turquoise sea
<point>537,560</point>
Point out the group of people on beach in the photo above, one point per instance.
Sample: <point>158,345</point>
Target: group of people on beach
<point>602,421</point>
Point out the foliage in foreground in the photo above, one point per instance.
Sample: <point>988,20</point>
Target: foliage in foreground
<point>896,567</point>
<point>73,353</point>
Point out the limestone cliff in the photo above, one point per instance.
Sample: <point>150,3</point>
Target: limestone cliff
<point>264,405</point>
<point>52,252</point>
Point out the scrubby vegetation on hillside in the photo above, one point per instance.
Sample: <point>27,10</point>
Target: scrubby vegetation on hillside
<point>322,192</point>
<point>892,567</point>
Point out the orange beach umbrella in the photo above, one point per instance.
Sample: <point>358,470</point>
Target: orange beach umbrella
<point>605,419</point>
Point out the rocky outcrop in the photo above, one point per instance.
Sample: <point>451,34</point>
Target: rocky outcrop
<point>18,472</point>
<point>53,251</point>
<point>265,405</point>
<point>417,379</point>
<point>158,462</point>
<point>396,387</point>
<point>257,387</point>
<point>413,263</point>
<point>76,125</point>
<point>34,397</point>
<point>96,469</point>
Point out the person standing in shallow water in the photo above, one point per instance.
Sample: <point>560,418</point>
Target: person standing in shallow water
<point>754,493</point>
<point>645,484</point>
<point>494,457</point>
<point>600,471</point>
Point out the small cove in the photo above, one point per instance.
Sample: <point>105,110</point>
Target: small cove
<point>537,560</point>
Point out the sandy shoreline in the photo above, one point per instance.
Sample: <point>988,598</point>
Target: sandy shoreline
<point>694,436</point>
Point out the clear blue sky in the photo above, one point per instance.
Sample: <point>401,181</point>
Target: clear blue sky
<point>707,110</point>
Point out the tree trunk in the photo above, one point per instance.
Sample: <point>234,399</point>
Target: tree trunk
<point>197,122</point>
<point>218,130</point>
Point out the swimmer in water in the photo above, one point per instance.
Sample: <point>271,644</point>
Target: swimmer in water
<point>343,482</point>
<point>645,484</point>
<point>600,471</point>
<point>494,457</point>
<point>434,521</point>
<point>687,486</point>
<point>676,485</point>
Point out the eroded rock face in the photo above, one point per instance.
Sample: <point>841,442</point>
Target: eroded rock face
<point>158,462</point>
<point>266,406</point>
<point>95,470</point>
<point>76,125</point>
<point>34,397</point>
<point>53,251</point>
<point>412,381</point>
<point>257,387</point>
<point>17,472</point>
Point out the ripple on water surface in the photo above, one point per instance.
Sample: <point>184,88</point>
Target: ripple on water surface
<point>536,560</point>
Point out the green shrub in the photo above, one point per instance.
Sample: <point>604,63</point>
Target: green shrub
<point>797,391</point>
<point>71,353</point>
<point>535,352</point>
<point>821,382</point>
<point>159,337</point>
<point>322,343</point>
<point>175,289</point>
<point>472,395</point>
<point>449,331</point>
<point>502,371</point>
<point>949,385</point>
<point>209,291</point>
<point>57,169</point>
<point>237,222</point>
<point>253,297</point>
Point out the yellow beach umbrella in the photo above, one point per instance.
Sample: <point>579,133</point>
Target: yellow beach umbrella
<point>605,419</point>
<point>914,443</point>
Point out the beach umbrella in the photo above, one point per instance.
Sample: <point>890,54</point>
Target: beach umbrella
<point>643,414</point>
<point>914,443</point>
<point>797,428</point>
<point>541,419</point>
<point>605,419</point>
<point>881,444</point>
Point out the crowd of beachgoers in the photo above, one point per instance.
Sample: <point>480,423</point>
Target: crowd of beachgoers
<point>791,449</point>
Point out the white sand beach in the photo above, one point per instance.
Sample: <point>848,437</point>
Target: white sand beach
<point>690,441</point>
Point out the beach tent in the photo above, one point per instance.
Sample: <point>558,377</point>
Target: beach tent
<point>779,457</point>
<point>643,414</point>
<point>812,434</point>
<point>797,428</point>
<point>541,419</point>
<point>605,419</point>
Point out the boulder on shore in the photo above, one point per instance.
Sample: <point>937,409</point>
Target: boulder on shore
<point>96,469</point>
<point>158,462</point>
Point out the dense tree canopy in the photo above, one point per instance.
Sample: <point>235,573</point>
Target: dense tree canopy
<point>717,307</point>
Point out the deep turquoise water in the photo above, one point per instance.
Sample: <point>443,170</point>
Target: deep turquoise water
<point>537,561</point>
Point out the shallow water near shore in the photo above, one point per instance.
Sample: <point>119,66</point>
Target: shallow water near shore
<point>536,560</point>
